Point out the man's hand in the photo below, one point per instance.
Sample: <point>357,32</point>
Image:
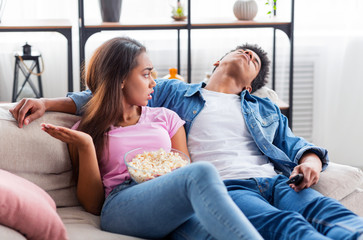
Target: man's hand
<point>27,110</point>
<point>310,166</point>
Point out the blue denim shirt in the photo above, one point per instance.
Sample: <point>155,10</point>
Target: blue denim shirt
<point>268,127</point>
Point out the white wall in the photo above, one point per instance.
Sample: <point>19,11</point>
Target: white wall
<point>339,104</point>
<point>332,30</point>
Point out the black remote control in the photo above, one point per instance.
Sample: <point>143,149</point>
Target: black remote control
<point>296,180</point>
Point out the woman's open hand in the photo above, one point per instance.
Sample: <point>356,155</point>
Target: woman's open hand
<point>74,137</point>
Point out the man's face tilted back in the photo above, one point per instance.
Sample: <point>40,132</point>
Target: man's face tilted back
<point>241,64</point>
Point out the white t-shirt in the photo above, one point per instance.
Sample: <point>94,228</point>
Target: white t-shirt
<point>219,135</point>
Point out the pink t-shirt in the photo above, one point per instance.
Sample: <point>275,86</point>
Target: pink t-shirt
<point>154,129</point>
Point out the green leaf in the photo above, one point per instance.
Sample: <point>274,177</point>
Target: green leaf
<point>269,12</point>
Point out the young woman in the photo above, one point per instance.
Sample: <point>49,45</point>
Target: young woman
<point>116,121</point>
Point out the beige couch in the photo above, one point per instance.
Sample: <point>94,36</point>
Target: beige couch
<point>33,155</point>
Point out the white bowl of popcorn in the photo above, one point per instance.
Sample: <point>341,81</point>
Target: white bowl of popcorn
<point>145,164</point>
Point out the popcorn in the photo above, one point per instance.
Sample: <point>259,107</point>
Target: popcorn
<point>149,165</point>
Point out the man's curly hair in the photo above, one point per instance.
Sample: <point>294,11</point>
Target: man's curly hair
<point>262,76</point>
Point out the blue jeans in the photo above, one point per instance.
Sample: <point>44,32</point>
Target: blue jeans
<point>278,212</point>
<point>155,208</point>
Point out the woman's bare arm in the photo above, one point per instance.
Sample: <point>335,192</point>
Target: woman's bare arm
<point>179,141</point>
<point>90,190</point>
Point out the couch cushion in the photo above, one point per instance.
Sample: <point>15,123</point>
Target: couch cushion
<point>343,183</point>
<point>29,209</point>
<point>353,201</point>
<point>8,233</point>
<point>83,225</point>
<point>33,154</point>
<point>338,181</point>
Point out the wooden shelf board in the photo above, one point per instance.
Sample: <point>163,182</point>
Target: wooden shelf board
<point>106,25</point>
<point>234,22</point>
<point>36,24</point>
<point>230,22</point>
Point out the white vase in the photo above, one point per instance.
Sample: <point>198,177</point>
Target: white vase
<point>245,9</point>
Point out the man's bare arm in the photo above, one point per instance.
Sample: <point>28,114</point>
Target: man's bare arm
<point>29,109</point>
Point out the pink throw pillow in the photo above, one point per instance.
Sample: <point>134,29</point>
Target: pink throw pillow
<point>28,209</point>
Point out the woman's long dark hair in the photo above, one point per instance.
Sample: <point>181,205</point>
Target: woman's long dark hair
<point>107,70</point>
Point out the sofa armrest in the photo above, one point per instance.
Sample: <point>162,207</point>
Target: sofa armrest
<point>343,183</point>
<point>34,155</point>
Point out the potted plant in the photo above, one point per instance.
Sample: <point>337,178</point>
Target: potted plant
<point>178,12</point>
<point>273,3</point>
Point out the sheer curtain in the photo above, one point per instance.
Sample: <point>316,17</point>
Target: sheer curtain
<point>327,32</point>
<point>333,31</point>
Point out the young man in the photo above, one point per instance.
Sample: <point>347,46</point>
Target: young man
<point>249,141</point>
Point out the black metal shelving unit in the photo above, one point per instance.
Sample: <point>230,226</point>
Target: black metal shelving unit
<point>287,27</point>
